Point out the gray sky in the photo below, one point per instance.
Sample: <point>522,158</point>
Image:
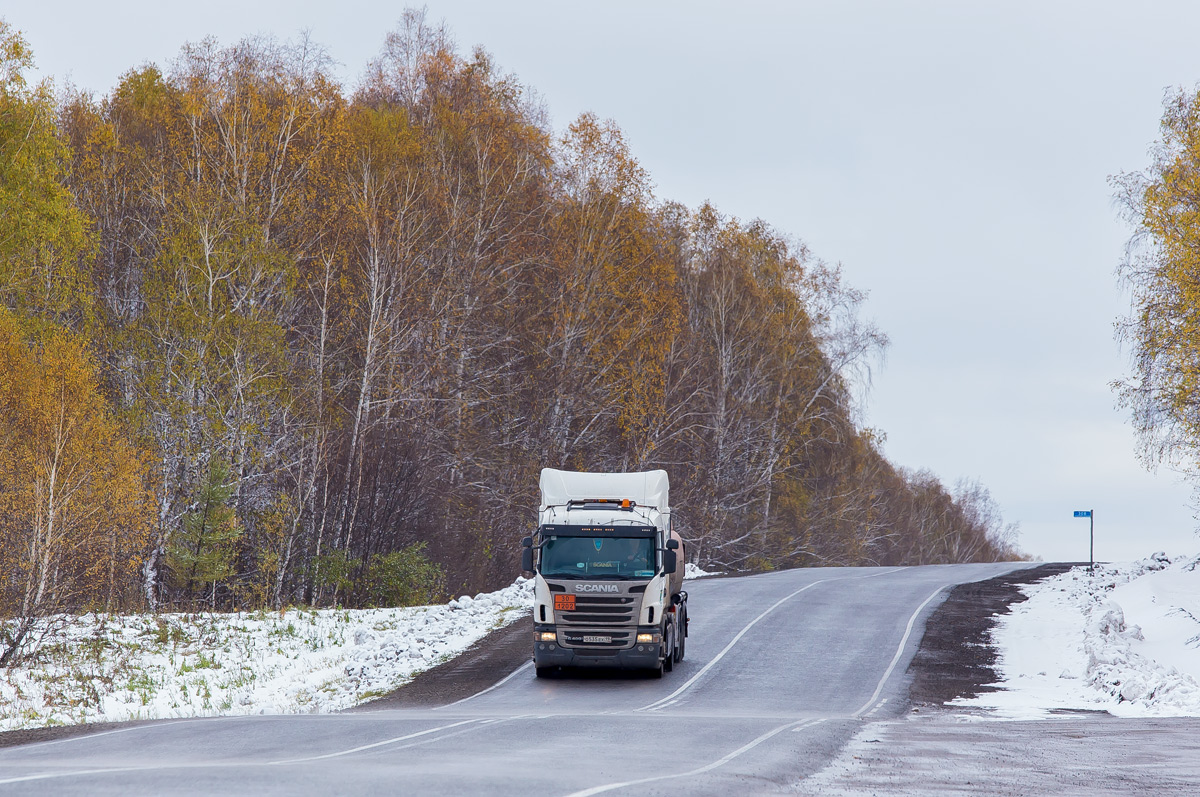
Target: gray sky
<point>953,156</point>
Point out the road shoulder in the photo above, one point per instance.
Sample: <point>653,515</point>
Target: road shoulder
<point>480,666</point>
<point>955,657</point>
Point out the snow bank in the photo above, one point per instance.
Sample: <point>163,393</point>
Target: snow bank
<point>1125,640</point>
<point>102,668</point>
<point>693,571</point>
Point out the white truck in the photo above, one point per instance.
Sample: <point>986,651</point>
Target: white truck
<point>608,573</point>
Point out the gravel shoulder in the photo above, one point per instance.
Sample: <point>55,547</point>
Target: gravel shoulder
<point>56,732</point>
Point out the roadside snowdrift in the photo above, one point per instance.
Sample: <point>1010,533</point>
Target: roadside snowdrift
<point>1125,640</point>
<point>100,668</point>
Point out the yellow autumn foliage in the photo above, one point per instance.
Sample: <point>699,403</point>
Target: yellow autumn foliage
<point>75,511</point>
<point>1162,271</point>
<point>385,307</point>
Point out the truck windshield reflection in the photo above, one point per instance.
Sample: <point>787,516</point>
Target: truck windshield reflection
<point>597,557</point>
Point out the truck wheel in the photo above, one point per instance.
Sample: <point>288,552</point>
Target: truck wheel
<point>679,650</point>
<point>669,659</point>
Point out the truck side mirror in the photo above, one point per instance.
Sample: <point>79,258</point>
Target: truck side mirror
<point>527,554</point>
<point>670,561</point>
<point>673,544</point>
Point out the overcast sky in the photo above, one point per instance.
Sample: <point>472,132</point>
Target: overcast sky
<point>952,156</point>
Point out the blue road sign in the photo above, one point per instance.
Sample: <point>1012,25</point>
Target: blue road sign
<point>1083,513</point>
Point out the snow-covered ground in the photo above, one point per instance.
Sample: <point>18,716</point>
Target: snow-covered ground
<point>1125,639</point>
<point>102,668</point>
<point>108,668</point>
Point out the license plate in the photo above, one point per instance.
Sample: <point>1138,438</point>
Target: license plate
<point>564,603</point>
<point>598,639</point>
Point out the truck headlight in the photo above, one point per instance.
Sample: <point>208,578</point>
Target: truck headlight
<point>545,636</point>
<point>649,637</point>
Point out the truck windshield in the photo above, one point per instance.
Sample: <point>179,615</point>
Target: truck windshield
<point>598,557</point>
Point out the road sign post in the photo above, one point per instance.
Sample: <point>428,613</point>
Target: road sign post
<point>1088,513</point>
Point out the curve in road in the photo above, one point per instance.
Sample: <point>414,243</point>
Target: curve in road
<point>782,668</point>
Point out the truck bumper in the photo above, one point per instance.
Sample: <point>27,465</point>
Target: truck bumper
<point>638,657</point>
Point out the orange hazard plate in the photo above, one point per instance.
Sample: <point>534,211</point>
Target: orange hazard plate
<point>564,603</point>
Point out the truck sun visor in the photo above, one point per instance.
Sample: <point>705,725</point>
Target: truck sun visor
<point>596,531</point>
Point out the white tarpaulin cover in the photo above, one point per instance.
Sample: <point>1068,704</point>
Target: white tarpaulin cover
<point>644,489</point>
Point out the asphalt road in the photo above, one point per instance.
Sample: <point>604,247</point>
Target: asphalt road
<point>782,670</point>
<point>1072,754</point>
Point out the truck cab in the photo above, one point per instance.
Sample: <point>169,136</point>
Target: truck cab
<point>607,573</point>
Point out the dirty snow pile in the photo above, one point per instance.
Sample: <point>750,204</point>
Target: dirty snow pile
<point>103,668</point>
<point>1125,640</point>
<point>693,571</point>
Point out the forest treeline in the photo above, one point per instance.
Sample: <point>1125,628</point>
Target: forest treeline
<point>270,341</point>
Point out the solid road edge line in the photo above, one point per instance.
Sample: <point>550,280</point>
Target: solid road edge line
<point>912,621</point>
<point>496,685</point>
<point>661,703</point>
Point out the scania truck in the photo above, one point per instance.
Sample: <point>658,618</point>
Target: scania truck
<point>608,573</point>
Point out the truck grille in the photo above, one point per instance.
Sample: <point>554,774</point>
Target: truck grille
<point>599,616</point>
<point>597,610</point>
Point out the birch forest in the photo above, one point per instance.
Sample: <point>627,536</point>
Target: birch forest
<point>267,339</point>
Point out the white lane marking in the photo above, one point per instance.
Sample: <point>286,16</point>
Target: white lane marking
<point>496,685</point>
<point>797,725</point>
<point>884,573</point>
<point>899,651</point>
<point>670,699</point>
<point>81,772</point>
<point>667,700</point>
<point>878,706</point>
<point>228,764</point>
<point>359,749</point>
<point>657,704</point>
